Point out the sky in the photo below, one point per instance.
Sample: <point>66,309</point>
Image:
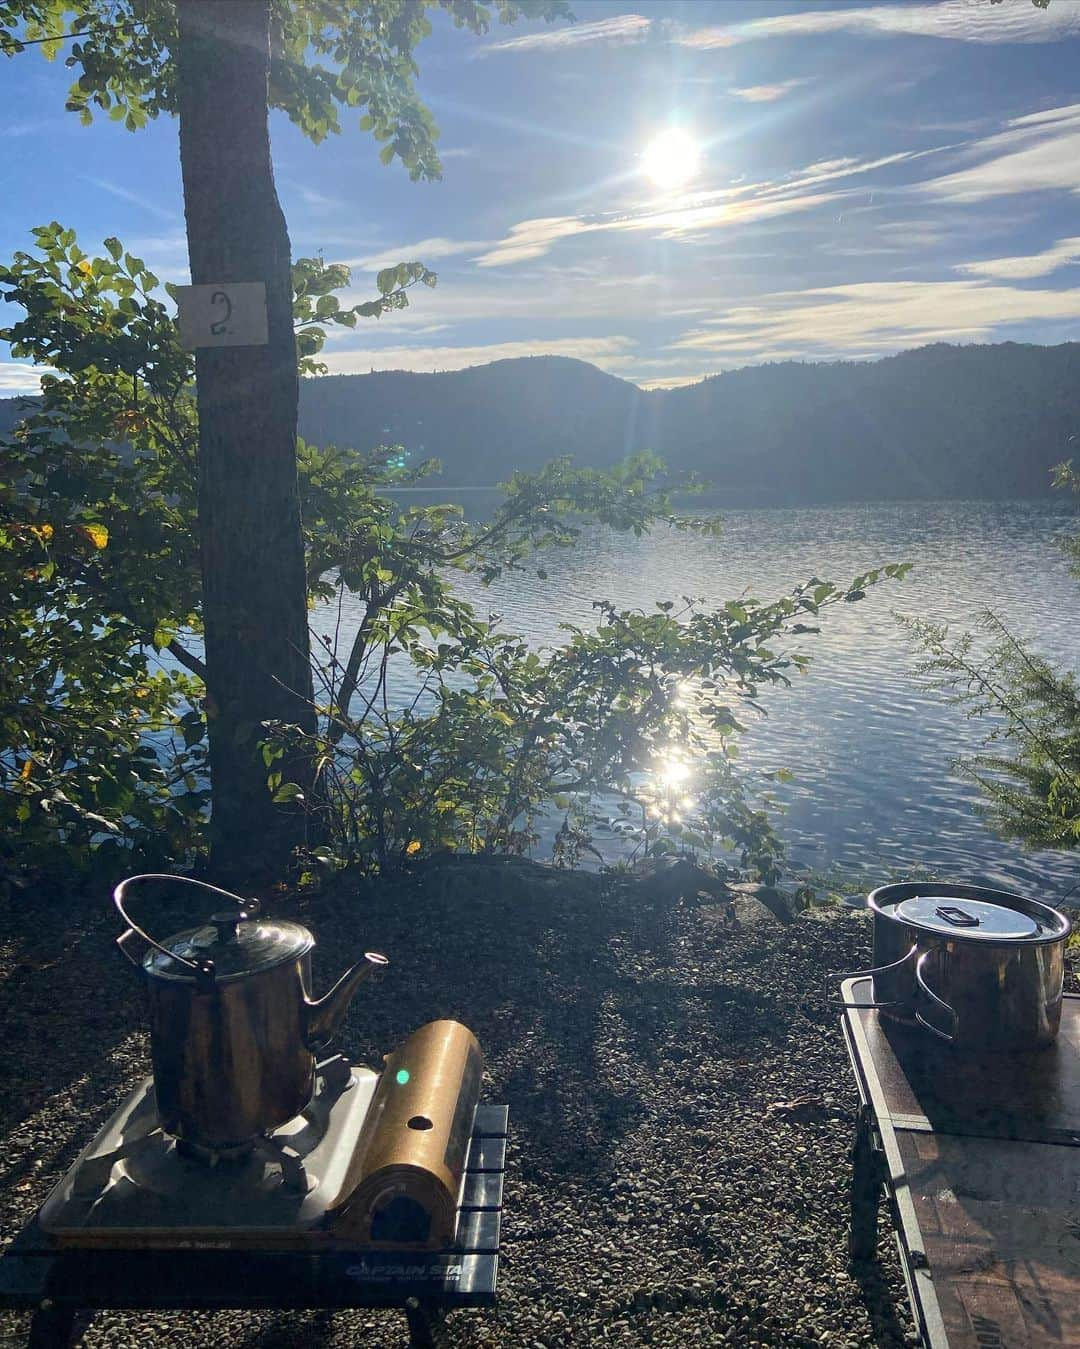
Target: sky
<point>859,179</point>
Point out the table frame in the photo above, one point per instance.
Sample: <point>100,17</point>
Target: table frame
<point>1029,1107</point>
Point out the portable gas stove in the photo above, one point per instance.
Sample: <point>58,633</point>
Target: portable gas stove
<point>136,1183</point>
<point>266,1226</point>
<point>245,1173</point>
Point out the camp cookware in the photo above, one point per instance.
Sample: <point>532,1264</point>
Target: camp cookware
<point>233,1028</point>
<point>979,968</point>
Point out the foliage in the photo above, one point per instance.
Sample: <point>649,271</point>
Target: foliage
<point>99,554</point>
<point>109,453</point>
<point>496,733</point>
<point>98,750</point>
<point>326,55</point>
<point>1067,479</point>
<point>1030,772</point>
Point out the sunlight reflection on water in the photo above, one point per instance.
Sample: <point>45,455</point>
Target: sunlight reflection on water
<point>871,750</point>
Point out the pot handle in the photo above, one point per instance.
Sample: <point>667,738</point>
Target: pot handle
<point>920,979</point>
<point>202,969</point>
<point>872,1005</point>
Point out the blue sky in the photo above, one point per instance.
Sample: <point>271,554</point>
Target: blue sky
<point>871,177</point>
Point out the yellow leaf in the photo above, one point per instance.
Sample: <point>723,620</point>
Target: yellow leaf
<point>27,769</point>
<point>85,268</point>
<point>43,532</point>
<point>97,534</point>
<point>412,848</point>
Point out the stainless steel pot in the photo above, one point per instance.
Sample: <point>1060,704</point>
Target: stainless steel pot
<point>978,968</point>
<point>232,1023</point>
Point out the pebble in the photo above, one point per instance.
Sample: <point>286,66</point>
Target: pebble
<point>650,1198</point>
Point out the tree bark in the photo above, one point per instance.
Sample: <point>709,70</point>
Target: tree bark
<point>254,590</point>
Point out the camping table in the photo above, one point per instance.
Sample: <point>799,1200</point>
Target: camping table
<point>57,1285</point>
<point>979,1158</point>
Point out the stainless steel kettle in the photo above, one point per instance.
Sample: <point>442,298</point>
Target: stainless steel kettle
<point>233,1025</point>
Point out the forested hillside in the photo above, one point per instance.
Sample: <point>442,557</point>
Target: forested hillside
<point>941,421</point>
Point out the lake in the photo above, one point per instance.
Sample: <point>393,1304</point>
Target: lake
<point>872,750</point>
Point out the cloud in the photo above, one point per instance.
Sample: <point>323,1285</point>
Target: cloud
<point>534,238</point>
<point>125,194</point>
<point>606,352</point>
<point>15,130</point>
<point>1051,259</point>
<point>621,28</point>
<point>874,317</point>
<point>427,250</point>
<point>1034,153</point>
<point>956,20</point>
<point>16,378</point>
<point>766,93</point>
<point>694,214</point>
<point>670,381</point>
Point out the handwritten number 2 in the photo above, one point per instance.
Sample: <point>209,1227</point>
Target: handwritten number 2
<point>218,326</point>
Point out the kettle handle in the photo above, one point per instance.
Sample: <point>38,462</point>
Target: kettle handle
<point>203,969</point>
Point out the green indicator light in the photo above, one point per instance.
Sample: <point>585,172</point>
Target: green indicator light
<point>402,1076</point>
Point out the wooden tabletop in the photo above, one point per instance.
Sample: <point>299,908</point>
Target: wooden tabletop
<point>983,1161</point>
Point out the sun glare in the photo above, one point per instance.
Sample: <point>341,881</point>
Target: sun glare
<point>671,159</point>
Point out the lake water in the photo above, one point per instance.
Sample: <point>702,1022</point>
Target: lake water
<point>872,750</point>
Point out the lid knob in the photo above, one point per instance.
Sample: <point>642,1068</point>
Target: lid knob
<point>227,921</point>
<point>952,913</point>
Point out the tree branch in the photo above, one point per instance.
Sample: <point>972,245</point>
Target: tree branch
<point>186,659</point>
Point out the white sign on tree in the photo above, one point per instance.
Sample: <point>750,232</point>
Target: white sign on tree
<point>223,314</point>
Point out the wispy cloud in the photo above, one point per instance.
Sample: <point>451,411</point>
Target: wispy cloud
<point>953,20</point>
<point>1036,152</point>
<point>427,250</point>
<point>766,93</point>
<point>874,317</point>
<point>693,215</point>
<point>17,378</point>
<point>1020,268</point>
<point>135,198</point>
<point>31,127</point>
<point>670,381</point>
<point>956,20</point>
<point>606,352</point>
<point>621,28</point>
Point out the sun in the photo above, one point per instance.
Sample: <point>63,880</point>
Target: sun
<point>671,159</point>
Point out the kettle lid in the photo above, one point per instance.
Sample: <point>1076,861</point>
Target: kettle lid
<point>236,944</point>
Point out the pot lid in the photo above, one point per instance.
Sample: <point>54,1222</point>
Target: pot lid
<point>237,945</point>
<point>976,919</point>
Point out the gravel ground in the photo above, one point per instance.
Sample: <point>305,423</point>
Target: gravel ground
<point>652,1197</point>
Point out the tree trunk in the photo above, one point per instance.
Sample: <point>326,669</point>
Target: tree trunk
<point>254,592</point>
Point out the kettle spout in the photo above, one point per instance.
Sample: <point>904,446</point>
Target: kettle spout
<point>325,1014</point>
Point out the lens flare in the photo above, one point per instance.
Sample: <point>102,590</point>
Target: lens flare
<point>671,159</point>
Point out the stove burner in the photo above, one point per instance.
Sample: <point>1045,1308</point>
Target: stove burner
<point>137,1182</point>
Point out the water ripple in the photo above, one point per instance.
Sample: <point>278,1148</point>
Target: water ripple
<point>871,749</point>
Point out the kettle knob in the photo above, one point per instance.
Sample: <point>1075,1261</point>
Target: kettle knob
<point>227,921</point>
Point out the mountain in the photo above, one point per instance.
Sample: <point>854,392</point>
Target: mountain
<point>940,421</point>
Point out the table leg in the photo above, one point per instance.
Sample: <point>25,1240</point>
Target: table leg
<point>865,1191</point>
<point>423,1319</point>
<point>52,1327</point>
